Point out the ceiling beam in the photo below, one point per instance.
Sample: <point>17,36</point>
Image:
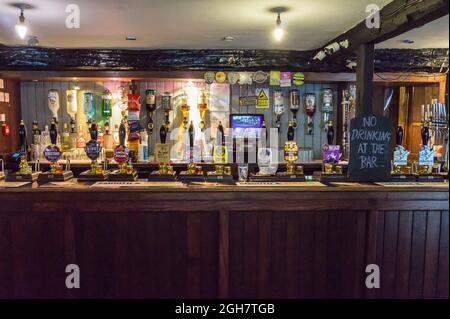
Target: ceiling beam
<point>396,18</point>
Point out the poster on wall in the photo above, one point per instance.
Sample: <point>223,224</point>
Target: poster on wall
<point>7,97</point>
<point>219,97</point>
<point>2,97</point>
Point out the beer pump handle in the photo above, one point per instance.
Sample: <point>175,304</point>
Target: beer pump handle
<point>53,132</point>
<point>191,135</point>
<point>22,137</point>
<point>222,133</point>
<point>330,133</point>
<point>400,135</point>
<point>122,134</point>
<point>425,135</point>
<point>93,131</point>
<point>163,134</point>
<point>290,132</point>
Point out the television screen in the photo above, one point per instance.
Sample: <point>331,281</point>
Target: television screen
<point>246,125</point>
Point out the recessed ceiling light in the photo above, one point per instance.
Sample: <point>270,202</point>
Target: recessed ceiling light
<point>131,38</point>
<point>228,38</point>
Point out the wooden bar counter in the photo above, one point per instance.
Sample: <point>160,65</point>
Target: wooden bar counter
<point>225,241</point>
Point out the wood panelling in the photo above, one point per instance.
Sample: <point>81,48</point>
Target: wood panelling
<point>35,106</point>
<point>227,244</point>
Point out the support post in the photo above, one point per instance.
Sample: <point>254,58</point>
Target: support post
<point>364,78</point>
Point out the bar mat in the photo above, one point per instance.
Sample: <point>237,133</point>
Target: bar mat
<point>136,184</point>
<point>413,184</point>
<point>13,184</point>
<point>280,184</point>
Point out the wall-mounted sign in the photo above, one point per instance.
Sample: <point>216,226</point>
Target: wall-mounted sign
<point>298,78</point>
<point>370,148</point>
<point>275,78</point>
<point>221,77</point>
<point>285,79</point>
<point>263,98</point>
<point>248,101</point>
<point>260,77</point>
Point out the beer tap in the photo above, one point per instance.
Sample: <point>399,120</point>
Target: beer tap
<point>399,136</point>
<point>163,134</point>
<point>191,142</point>
<point>150,105</point>
<point>53,132</point>
<point>330,133</point>
<point>122,133</point>
<point>22,138</point>
<point>294,106</point>
<point>191,166</point>
<point>290,132</point>
<point>221,133</point>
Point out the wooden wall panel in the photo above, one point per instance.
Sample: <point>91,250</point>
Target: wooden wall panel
<point>197,251</point>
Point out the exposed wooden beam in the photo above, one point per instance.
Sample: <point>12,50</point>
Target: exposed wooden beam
<point>364,79</point>
<point>126,76</point>
<point>396,18</point>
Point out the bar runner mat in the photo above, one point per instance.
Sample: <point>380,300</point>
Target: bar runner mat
<point>136,184</point>
<point>280,184</point>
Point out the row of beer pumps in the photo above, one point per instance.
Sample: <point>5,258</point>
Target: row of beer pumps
<point>433,154</point>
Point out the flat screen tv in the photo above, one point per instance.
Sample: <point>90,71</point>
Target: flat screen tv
<point>246,125</point>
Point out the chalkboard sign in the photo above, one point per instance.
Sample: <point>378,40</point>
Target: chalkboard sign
<point>370,148</point>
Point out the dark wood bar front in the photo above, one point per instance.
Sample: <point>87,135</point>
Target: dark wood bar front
<point>225,242</point>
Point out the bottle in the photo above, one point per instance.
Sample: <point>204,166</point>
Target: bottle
<point>143,147</point>
<point>106,104</point>
<point>81,142</point>
<point>65,145</point>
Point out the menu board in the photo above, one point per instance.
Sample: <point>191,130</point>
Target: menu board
<point>370,148</point>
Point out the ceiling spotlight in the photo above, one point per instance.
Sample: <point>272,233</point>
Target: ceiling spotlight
<point>228,38</point>
<point>407,41</point>
<point>33,41</point>
<point>21,28</point>
<point>278,33</point>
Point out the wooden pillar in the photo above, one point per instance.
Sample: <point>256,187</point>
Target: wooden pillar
<point>364,78</point>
